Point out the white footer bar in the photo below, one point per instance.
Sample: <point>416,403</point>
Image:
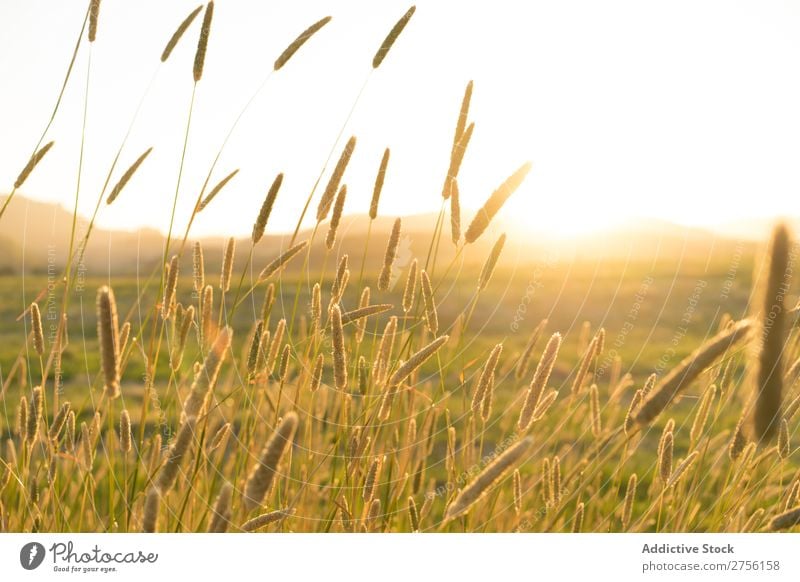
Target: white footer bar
<point>389,557</point>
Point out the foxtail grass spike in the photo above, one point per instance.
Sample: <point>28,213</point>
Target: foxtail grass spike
<point>302,38</point>
<point>202,43</point>
<point>391,38</point>
<point>378,188</point>
<point>492,206</point>
<point>176,36</point>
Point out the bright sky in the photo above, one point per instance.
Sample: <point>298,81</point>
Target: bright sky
<point>687,110</point>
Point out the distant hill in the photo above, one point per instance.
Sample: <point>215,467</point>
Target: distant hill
<point>34,236</point>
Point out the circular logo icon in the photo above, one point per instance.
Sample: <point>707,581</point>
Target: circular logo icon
<point>31,555</point>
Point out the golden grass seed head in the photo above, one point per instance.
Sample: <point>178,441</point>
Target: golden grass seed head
<point>682,468</point>
<point>221,515</point>
<point>94,14</point>
<point>166,477</point>
<point>629,422</point>
<point>594,405</point>
<point>205,380</point>
<point>786,520</point>
<point>371,478</point>
<point>463,113</point>
<point>701,418</point>
<point>126,177</point>
<point>22,417</point>
<point>262,475</point>
<point>387,401</point>
<point>413,515</point>
<point>361,323</point>
<point>665,457</point>
<point>221,436</point>
<point>601,341</point>
<point>255,349</point>
<point>416,360</point>
<point>32,163</point>
<point>316,306</point>
<point>152,504</point>
<point>265,519</point>
<point>176,36</point>
<point>202,43</point>
<point>340,282</point>
<point>183,335</point>
<point>286,357</point>
<point>517,487</point>
<point>336,178</point>
<point>455,210</point>
<point>391,253</point>
<point>492,206</point>
<point>216,190</point>
<point>34,416</point>
<point>486,379</point>
<point>269,299</point>
<point>298,42</point>
<point>688,370</point>
<point>87,448</point>
<point>207,316</point>
<point>316,374</point>
<point>339,353</point>
<point>385,350</point>
<point>374,511</point>
<point>630,497</point>
<point>125,438</point>
<point>69,431</point>
<point>431,315</point>
<point>336,217</point>
<point>391,38</point>
<point>555,481</point>
<point>539,381</point>
<point>378,187</point>
<point>198,267</point>
<point>784,443</point>
<point>491,263</point>
<point>279,262</point>
<point>170,287</point>
<point>577,520</point>
<point>583,369</point>
<point>410,289</point>
<point>545,480</point>
<point>544,405</point>
<point>791,409</point>
<point>456,157</point>
<point>124,336</point>
<point>266,209</point>
<point>649,384</point>
<point>793,496</point>
<point>275,345</point>
<point>769,381</point>
<point>227,265</point>
<point>36,328</point>
<point>486,403</point>
<point>107,331</point>
<point>59,420</point>
<point>486,479</point>
<point>261,358</point>
<point>523,364</point>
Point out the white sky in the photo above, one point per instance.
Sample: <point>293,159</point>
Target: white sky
<point>684,110</point>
